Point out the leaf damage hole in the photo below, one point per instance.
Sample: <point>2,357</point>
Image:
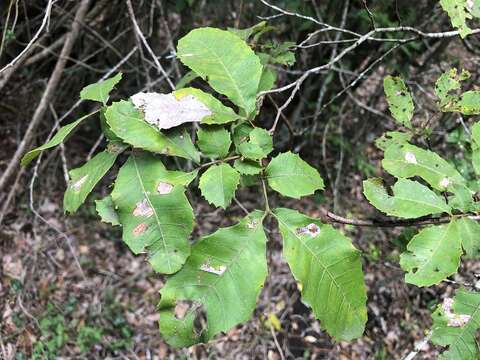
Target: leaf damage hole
<point>220,270</point>
<point>181,308</point>
<point>164,188</point>
<point>139,229</point>
<point>311,230</point>
<point>143,208</point>
<point>455,320</point>
<point>76,186</point>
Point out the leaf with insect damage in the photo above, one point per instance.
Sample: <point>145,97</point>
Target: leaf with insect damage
<point>83,179</point>
<point>129,124</point>
<point>455,324</point>
<point>106,210</point>
<point>329,270</point>
<point>399,100</point>
<point>154,212</point>
<point>458,11</point>
<point>410,199</point>
<point>432,255</point>
<point>218,286</point>
<point>451,100</point>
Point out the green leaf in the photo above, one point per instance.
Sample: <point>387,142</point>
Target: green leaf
<point>185,80</point>
<point>244,34</point>
<point>289,175</point>
<point>406,161</point>
<point>106,210</point>
<point>222,278</point>
<point>241,133</point>
<point>458,329</point>
<point>83,179</point>
<point>410,199</point>
<point>221,114</point>
<point>247,167</point>
<point>100,90</point>
<point>328,268</point>
<point>214,141</point>
<point>58,138</point>
<point>392,137</point>
<point>225,61</point>
<point>399,100</point>
<point>128,124</point>
<point>267,80</point>
<point>470,234</point>
<point>154,212</point>
<point>259,145</point>
<point>457,11</point>
<point>467,103</point>
<point>218,184</point>
<point>432,255</point>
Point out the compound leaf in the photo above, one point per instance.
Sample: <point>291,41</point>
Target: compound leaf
<point>328,268</point>
<point>83,179</point>
<point>432,255</point>
<point>225,61</point>
<point>100,90</point>
<point>289,175</point>
<point>222,278</point>
<point>154,211</point>
<point>457,329</point>
<point>128,123</point>
<point>218,184</point>
<point>214,141</point>
<point>410,199</point>
<point>399,100</point>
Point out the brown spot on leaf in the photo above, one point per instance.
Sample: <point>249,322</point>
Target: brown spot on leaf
<point>143,208</point>
<point>181,308</point>
<point>164,188</point>
<point>139,229</point>
<point>311,230</point>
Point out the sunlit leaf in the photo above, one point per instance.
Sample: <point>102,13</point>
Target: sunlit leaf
<point>329,271</point>
<point>218,184</point>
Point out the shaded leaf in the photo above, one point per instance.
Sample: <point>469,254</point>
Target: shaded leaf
<point>221,280</point>
<point>106,210</point>
<point>154,212</point>
<point>247,167</point>
<point>289,175</point>
<point>218,184</point>
<point>329,270</point>
<point>214,141</point>
<point>469,231</point>
<point>399,100</point>
<point>225,61</point>
<point>100,90</point>
<point>432,255</point>
<point>259,145</point>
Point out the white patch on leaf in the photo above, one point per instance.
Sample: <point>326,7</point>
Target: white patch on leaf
<point>444,182</point>
<point>455,320</point>
<point>164,188</point>
<point>143,208</point>
<point>212,270</point>
<point>252,224</point>
<point>165,111</point>
<point>311,230</point>
<point>77,185</point>
<point>410,158</point>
